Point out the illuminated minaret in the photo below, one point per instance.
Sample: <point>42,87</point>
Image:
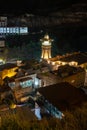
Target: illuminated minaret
<point>46,47</point>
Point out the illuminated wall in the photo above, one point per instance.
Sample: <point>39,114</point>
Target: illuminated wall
<point>27,83</point>
<point>8,72</point>
<point>46,47</point>
<point>13,30</point>
<point>46,52</point>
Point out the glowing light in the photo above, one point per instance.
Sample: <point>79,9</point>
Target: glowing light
<point>63,63</point>
<point>46,43</point>
<point>2,61</point>
<point>46,36</point>
<point>48,61</point>
<point>72,81</point>
<point>13,106</point>
<point>53,63</point>
<point>73,63</point>
<point>36,82</point>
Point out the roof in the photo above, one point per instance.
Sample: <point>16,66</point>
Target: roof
<point>63,95</point>
<point>24,79</point>
<point>78,57</point>
<point>70,70</point>
<point>7,66</point>
<point>21,79</point>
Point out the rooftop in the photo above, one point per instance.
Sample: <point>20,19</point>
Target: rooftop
<point>78,57</point>
<point>24,79</point>
<point>68,70</point>
<point>21,79</point>
<point>7,66</point>
<point>63,95</point>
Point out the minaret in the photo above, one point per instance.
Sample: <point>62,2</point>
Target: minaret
<point>46,47</point>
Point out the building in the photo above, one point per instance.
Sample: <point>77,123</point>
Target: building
<point>25,81</point>
<point>66,73</point>
<point>22,95</point>
<point>60,97</point>
<point>74,59</point>
<point>46,47</point>
<point>13,31</point>
<point>49,78</point>
<point>73,75</point>
<point>23,85</point>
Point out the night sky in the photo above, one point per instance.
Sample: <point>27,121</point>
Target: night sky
<point>73,35</point>
<point>33,6</point>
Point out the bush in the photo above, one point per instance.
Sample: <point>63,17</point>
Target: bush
<point>74,120</point>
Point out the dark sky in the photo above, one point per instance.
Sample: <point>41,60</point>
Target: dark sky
<point>73,35</point>
<point>18,6</point>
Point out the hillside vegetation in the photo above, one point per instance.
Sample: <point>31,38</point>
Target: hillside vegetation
<point>73,120</point>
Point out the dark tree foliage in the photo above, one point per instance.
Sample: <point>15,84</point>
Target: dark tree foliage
<point>73,120</point>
